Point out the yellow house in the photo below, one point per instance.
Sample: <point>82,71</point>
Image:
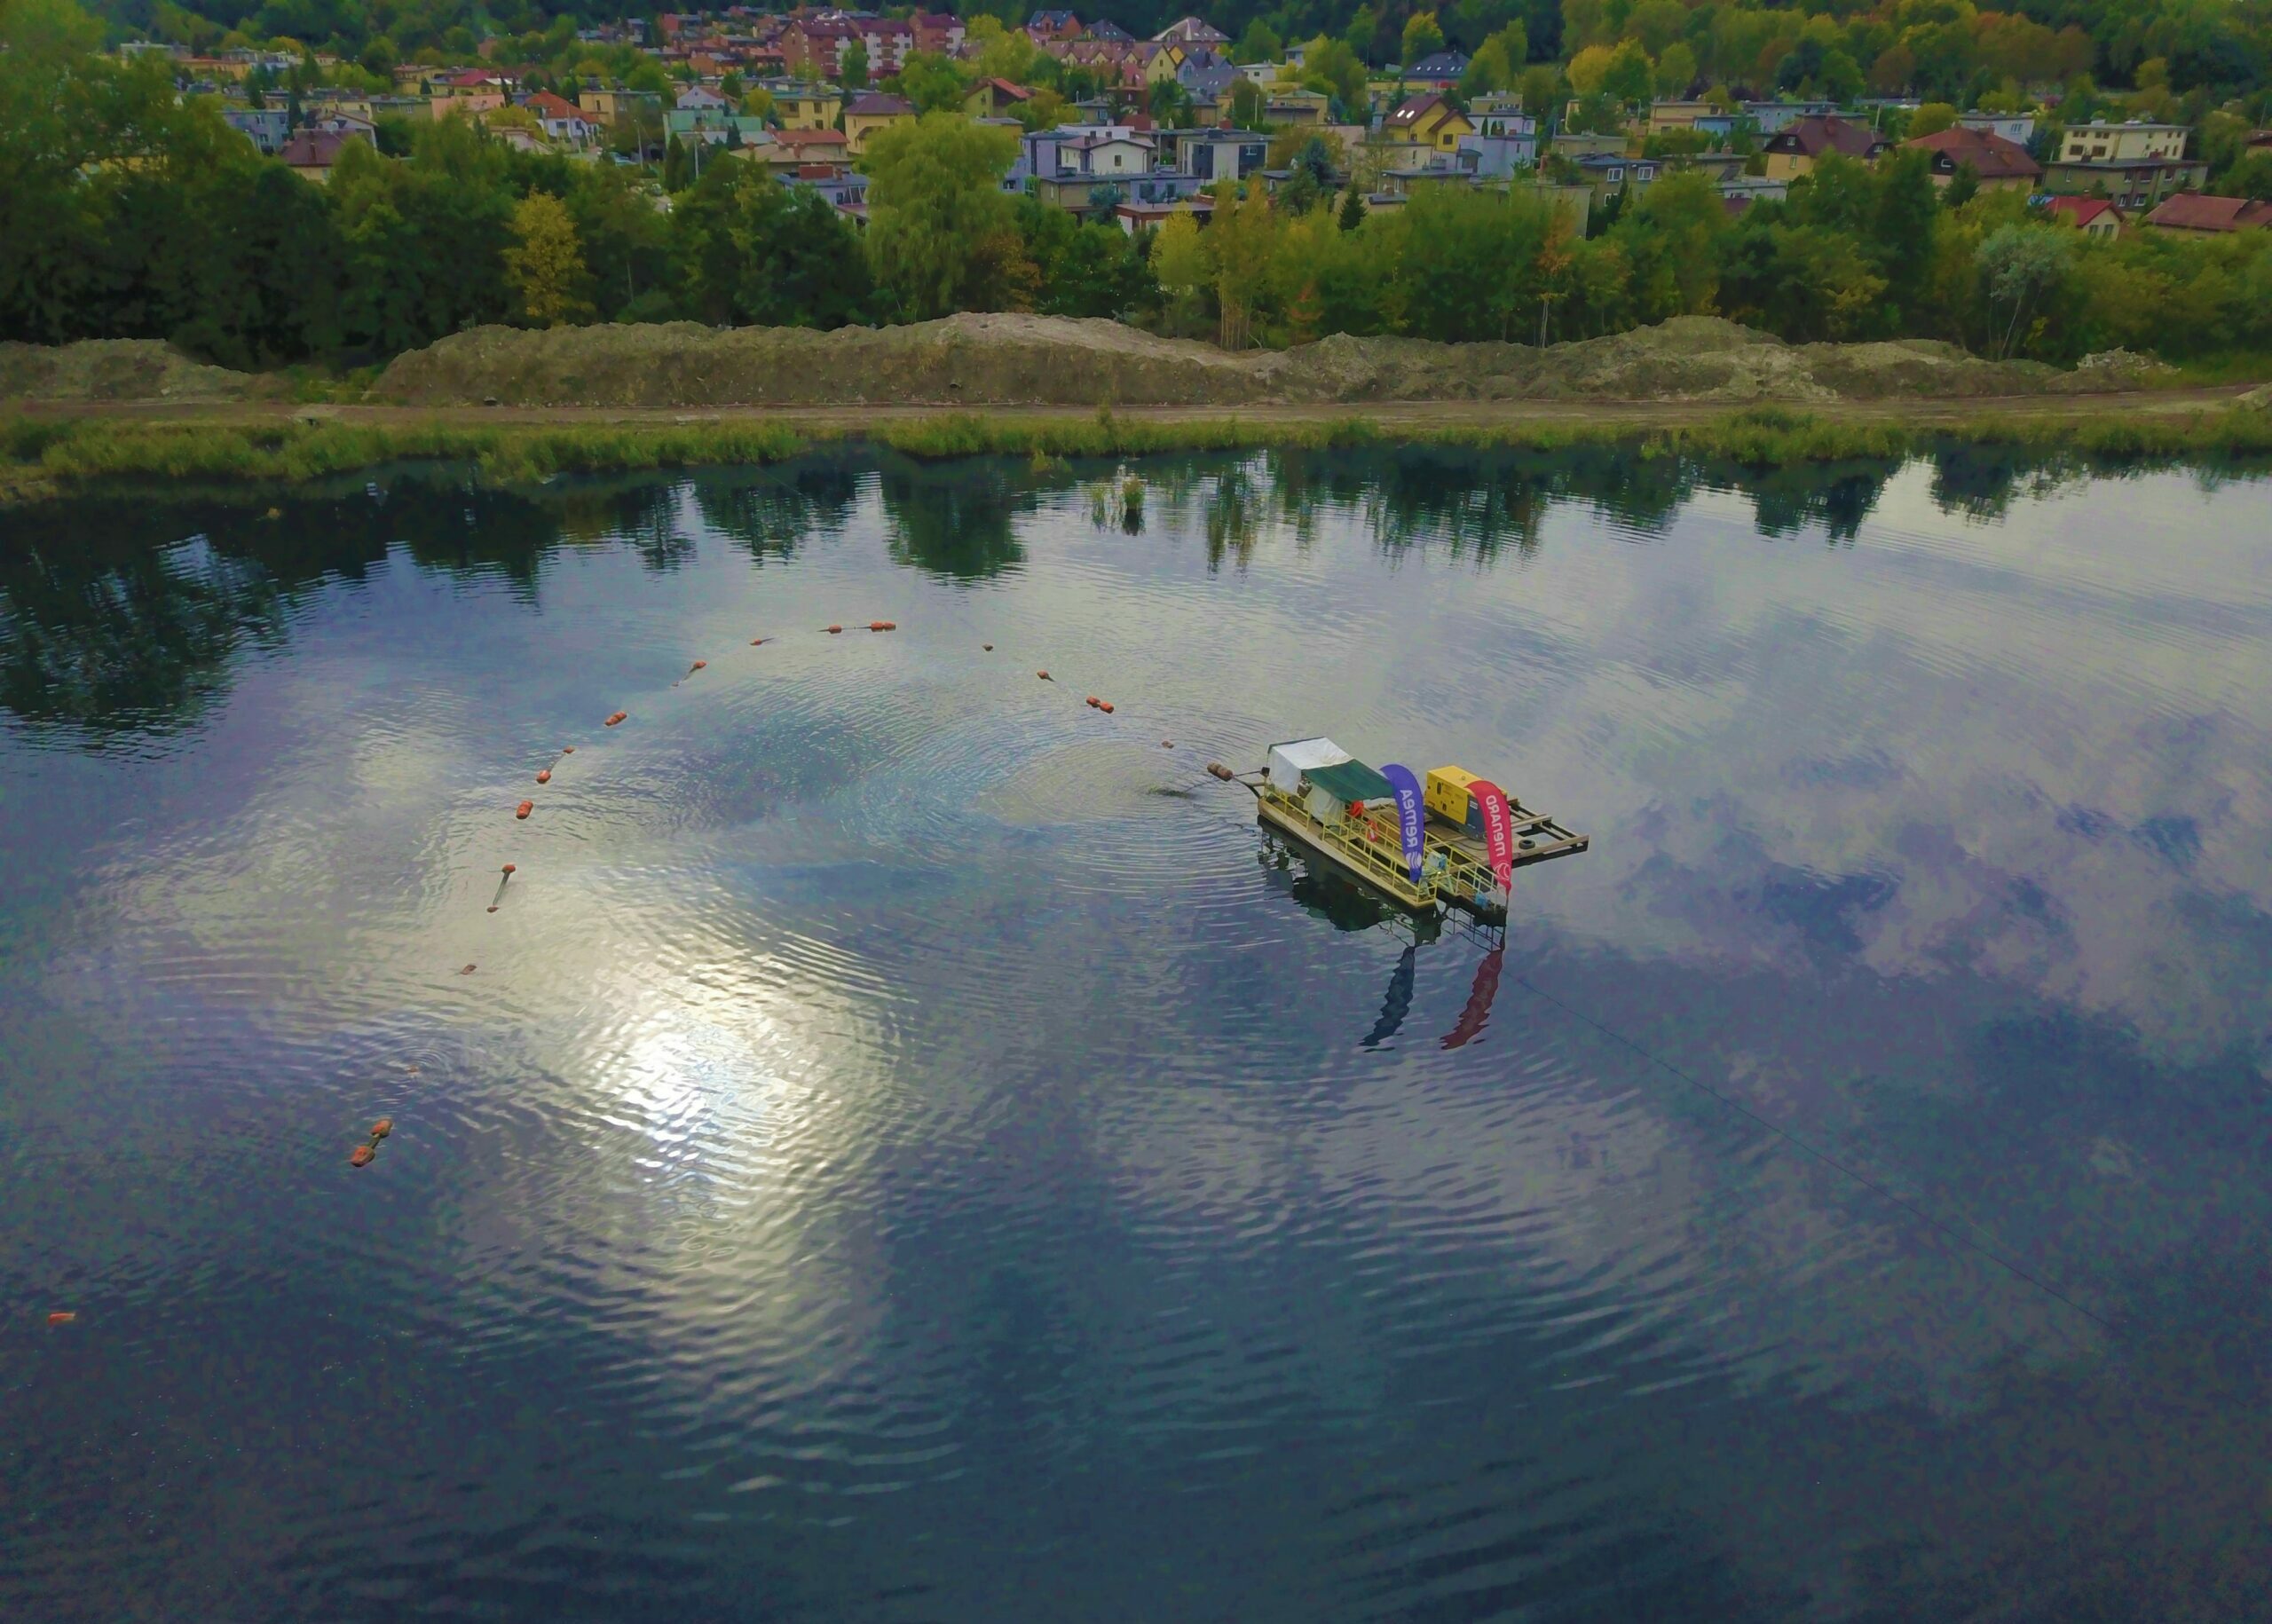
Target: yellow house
<point>870,111</point>
<point>1290,104</point>
<point>1427,121</point>
<point>804,107</point>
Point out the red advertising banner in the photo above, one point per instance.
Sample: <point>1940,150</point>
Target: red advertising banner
<point>1498,830</point>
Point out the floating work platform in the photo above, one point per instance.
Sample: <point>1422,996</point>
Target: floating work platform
<point>1319,796</point>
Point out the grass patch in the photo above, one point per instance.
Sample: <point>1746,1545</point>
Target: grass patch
<point>45,457</point>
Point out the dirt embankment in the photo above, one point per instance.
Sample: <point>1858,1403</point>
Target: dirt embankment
<point>119,369</point>
<point>1043,360</point>
<point>1002,360</point>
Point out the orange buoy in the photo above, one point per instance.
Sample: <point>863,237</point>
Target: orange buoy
<point>509,869</point>
<point>567,750</point>
<point>1092,702</point>
<point>1045,676</point>
<point>468,969</point>
<point>833,630</point>
<point>544,775</point>
<point>1105,705</point>
<point>1220,770</point>
<point>754,642</point>
<point>619,716</point>
<point>524,808</point>
<point>988,647</point>
<point>360,1156</point>
<point>60,1317</point>
<point>382,1128</point>
<point>1167,744</point>
<point>698,666</point>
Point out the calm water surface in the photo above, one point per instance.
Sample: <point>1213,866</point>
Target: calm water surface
<point>907,1149</point>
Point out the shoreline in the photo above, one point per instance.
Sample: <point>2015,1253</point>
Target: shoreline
<point>54,449</point>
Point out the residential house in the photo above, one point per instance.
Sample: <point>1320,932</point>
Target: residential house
<point>1718,168</point>
<point>1047,26</point>
<point>790,149</point>
<point>311,154</point>
<point>813,46</point>
<point>842,189</point>
<point>1793,150</point>
<point>2109,143</point>
<point>2205,215</point>
<point>2096,218</point>
<point>340,122</point>
<point>698,99</point>
<point>1191,31</point>
<point>889,41</point>
<point>1665,116</point>
<point>1208,155</point>
<point>1773,117</point>
<point>940,32</point>
<point>799,103</point>
<point>1304,109</point>
<point>992,97</point>
<point>2017,128</point>
<point>2001,165</point>
<point>1442,70</point>
<point>1606,174</point>
<point>1207,74</point>
<point>710,129</point>
<point>1589,143</point>
<point>2135,183</point>
<point>1133,215</point>
<point>561,119</point>
<point>1427,121</point>
<point>870,111</point>
<point>268,128</point>
<point>612,104</point>
<point>1106,31</point>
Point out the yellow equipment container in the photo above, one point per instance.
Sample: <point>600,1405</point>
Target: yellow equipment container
<point>1445,792</point>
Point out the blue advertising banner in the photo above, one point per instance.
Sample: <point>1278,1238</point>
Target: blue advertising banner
<point>1409,812</point>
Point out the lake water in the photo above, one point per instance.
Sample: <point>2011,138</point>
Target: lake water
<point>905,1148</point>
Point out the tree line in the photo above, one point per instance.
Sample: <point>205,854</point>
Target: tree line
<point>128,212</point>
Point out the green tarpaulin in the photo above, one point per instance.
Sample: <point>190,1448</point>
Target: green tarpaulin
<point>1351,781</point>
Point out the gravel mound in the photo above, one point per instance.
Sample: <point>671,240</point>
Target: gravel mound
<point>1047,360</point>
<point>117,369</point>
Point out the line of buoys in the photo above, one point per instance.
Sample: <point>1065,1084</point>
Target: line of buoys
<point>61,1316</point>
<point>524,808</point>
<point>544,775</point>
<point>619,716</point>
<point>363,1154</point>
<point>883,626</point>
<point>503,880</point>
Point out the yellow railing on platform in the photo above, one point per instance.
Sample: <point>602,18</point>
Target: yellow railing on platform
<point>1374,846</point>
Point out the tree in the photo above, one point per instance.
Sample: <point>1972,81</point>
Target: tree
<point>1675,69</point>
<point>852,65</point>
<point>1353,208</point>
<point>749,250</point>
<point>2021,264</point>
<point>1169,103</point>
<point>1498,62</point>
<point>678,169</point>
<point>1931,118</point>
<point>1540,87</point>
<point>939,235</point>
<point>1963,186</point>
<point>933,83</point>
<point>1259,43</point>
<point>1330,66</point>
<point>1424,36</point>
<point>1249,106</point>
<point>545,264</point>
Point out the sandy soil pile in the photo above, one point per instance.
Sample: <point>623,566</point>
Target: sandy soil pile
<point>118,369</point>
<point>1047,360</point>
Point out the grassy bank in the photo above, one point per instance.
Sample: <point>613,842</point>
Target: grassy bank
<point>46,457</point>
